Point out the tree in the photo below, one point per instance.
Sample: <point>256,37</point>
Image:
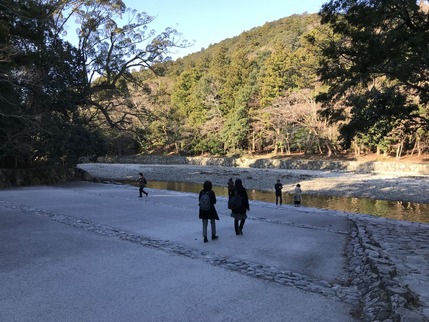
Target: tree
<point>115,40</point>
<point>235,130</point>
<point>375,64</point>
<point>158,129</point>
<point>40,81</point>
<point>275,75</point>
<point>236,96</point>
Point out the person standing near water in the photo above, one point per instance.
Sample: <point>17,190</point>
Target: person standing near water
<point>297,195</point>
<point>278,188</point>
<point>230,187</point>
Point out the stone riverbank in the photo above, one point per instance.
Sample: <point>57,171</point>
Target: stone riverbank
<point>388,261</point>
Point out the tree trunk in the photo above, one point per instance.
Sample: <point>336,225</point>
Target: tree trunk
<point>416,146</point>
<point>399,150</point>
<point>356,148</point>
<point>328,146</point>
<point>276,141</point>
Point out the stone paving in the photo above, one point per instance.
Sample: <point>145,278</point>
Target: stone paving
<point>387,261</point>
<point>398,253</point>
<point>257,270</point>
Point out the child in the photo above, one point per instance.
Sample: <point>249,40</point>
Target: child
<point>297,195</point>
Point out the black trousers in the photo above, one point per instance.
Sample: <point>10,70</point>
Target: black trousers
<point>141,190</point>
<point>239,228</point>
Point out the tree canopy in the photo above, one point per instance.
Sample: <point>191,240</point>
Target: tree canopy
<point>222,97</point>
<point>55,97</point>
<point>354,75</point>
<point>376,65</point>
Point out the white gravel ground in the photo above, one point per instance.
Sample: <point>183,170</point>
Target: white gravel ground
<point>386,186</point>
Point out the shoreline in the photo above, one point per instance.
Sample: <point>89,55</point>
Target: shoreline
<point>386,186</point>
<point>384,256</point>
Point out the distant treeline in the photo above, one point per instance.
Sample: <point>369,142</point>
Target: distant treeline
<point>352,78</point>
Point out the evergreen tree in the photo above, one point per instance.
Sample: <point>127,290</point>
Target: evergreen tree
<point>375,64</point>
<point>40,86</point>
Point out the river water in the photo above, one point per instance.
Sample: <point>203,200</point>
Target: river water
<point>408,211</point>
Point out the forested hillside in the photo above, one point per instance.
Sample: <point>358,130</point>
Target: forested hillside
<point>352,78</point>
<point>295,85</point>
<point>254,93</point>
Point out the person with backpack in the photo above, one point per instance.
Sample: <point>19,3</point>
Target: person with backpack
<point>207,200</point>
<point>142,184</point>
<point>239,205</point>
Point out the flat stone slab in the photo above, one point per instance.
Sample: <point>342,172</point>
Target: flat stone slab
<point>84,251</point>
<point>287,238</point>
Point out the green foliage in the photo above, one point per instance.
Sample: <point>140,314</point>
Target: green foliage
<point>220,93</point>
<point>234,132</point>
<point>56,98</point>
<point>376,64</point>
<point>185,97</point>
<point>208,145</point>
<point>275,76</point>
<point>66,142</point>
<point>376,113</point>
<point>111,51</point>
<point>40,87</point>
<point>254,92</point>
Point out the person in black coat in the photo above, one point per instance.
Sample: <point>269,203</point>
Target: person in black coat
<point>142,184</point>
<point>278,188</point>
<point>239,214</point>
<point>211,214</point>
<point>230,187</point>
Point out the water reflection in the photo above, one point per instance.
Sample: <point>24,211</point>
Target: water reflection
<point>398,210</point>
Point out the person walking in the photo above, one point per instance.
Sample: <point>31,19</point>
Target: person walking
<point>239,214</point>
<point>142,184</point>
<point>207,200</point>
<point>297,195</point>
<point>278,188</point>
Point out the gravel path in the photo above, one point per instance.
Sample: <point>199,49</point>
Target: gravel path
<point>391,186</point>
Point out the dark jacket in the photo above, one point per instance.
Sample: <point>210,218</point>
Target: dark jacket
<point>278,187</point>
<point>230,188</point>
<point>142,181</point>
<point>241,191</point>
<point>211,213</point>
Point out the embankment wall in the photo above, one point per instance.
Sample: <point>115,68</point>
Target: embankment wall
<point>295,164</point>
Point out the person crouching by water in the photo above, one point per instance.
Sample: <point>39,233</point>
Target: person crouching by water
<point>239,214</point>
<point>297,195</point>
<point>208,210</point>
<point>142,184</point>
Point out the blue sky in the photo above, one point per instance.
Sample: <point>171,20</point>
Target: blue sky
<point>210,21</point>
<point>207,22</point>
